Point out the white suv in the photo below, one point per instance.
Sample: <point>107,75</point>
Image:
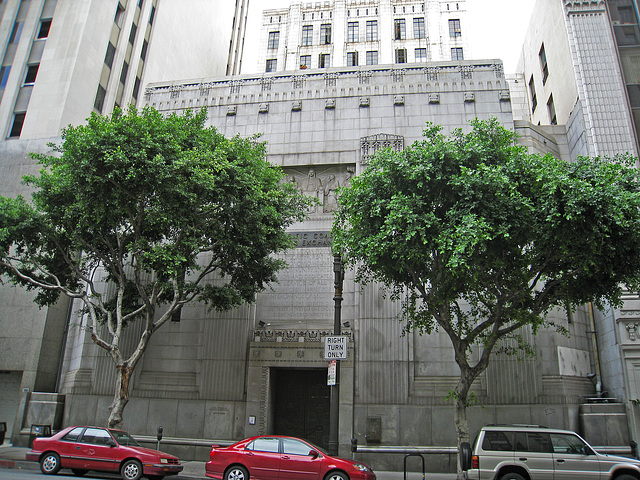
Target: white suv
<point>536,453</point>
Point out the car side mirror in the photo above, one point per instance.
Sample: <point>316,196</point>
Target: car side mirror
<point>313,454</point>
<point>112,443</point>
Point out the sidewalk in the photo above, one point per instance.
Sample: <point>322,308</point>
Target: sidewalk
<point>14,457</point>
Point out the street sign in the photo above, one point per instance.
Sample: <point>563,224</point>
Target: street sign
<point>335,348</point>
<point>331,374</point>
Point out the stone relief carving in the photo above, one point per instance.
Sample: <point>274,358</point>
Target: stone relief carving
<point>321,182</point>
<point>632,331</point>
<point>295,335</point>
<point>370,145</point>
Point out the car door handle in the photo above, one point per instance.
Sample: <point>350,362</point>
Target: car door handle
<point>523,459</point>
<point>77,448</point>
<point>560,460</point>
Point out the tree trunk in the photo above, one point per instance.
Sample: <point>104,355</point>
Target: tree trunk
<point>460,412</point>
<point>121,397</point>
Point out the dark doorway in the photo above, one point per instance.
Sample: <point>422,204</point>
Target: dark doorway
<point>302,405</point>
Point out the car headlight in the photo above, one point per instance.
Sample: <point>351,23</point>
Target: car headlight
<point>164,460</point>
<point>362,468</point>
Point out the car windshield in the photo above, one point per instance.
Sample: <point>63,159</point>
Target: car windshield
<point>123,438</point>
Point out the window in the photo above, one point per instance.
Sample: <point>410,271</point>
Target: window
<point>532,442</point>
<point>307,35</point>
<point>323,60</point>
<point>119,15</point>
<point>96,436</point>
<point>153,14</point>
<point>399,29</point>
<point>497,442</point>
<point>543,65</point>
<point>124,72</point>
<point>45,25</point>
<point>372,30</point>
<point>32,73</point>
<point>143,52</point>
<point>305,61</point>
<point>372,57</point>
<point>111,52</point>
<point>352,59</point>
<point>265,445</point>
<point>99,101</point>
<point>454,28</point>
<point>456,54</point>
<point>274,39</point>
<point>352,32</point>
<point>421,54</point>
<point>401,55</point>
<point>552,110</point>
<point>16,128</point>
<point>136,88</point>
<point>325,34</point>
<point>294,447</point>
<point>418,28</point>
<point>568,444</point>
<point>132,33</point>
<point>532,92</point>
<point>73,435</point>
<point>4,76</point>
<point>15,32</point>
<point>271,65</point>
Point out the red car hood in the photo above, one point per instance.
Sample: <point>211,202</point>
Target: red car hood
<point>148,451</point>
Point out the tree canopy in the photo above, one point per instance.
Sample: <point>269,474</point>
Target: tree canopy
<point>480,238</point>
<point>171,210</point>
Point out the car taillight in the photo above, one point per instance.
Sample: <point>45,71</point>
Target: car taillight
<point>475,462</point>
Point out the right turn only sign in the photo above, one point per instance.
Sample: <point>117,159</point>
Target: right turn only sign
<point>335,348</point>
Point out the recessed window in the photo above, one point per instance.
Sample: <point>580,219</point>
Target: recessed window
<point>401,55</point>
<point>372,30</point>
<point>532,93</point>
<point>324,60</point>
<point>399,29</point>
<point>272,64</point>
<point>418,28</point>
<point>456,54</point>
<point>32,73</point>
<point>4,76</point>
<point>16,32</point>
<point>454,28</point>
<point>325,34</point>
<point>16,128</point>
<point>307,35</point>
<point>274,40</point>
<point>543,64</point>
<point>143,52</point>
<point>372,57</point>
<point>132,33</point>
<point>45,25</point>
<point>111,53</point>
<point>352,32</point>
<point>352,59</point>
<point>552,111</point>
<point>421,54</point>
<point>305,61</point>
<point>99,101</point>
<point>119,15</point>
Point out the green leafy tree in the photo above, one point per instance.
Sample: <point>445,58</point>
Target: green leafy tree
<point>171,211</point>
<point>479,238</point>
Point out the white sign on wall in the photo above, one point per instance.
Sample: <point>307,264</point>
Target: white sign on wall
<point>335,348</point>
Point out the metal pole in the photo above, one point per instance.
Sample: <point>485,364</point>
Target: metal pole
<point>335,389</point>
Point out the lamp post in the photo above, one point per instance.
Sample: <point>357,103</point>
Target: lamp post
<point>338,272</point>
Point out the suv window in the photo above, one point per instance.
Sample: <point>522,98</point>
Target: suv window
<point>497,442</point>
<point>533,442</point>
<point>265,445</point>
<point>567,444</point>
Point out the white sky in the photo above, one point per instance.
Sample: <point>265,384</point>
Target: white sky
<point>498,27</point>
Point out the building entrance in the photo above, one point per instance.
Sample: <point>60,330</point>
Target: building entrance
<point>302,404</point>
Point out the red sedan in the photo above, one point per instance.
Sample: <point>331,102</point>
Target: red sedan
<point>92,448</point>
<point>275,457</point>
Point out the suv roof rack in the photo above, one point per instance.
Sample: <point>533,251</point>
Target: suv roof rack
<point>515,425</point>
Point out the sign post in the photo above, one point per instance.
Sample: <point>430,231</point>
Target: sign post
<point>339,347</point>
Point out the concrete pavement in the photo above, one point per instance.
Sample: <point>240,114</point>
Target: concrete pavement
<point>14,457</point>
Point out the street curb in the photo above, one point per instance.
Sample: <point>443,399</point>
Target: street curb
<point>20,465</point>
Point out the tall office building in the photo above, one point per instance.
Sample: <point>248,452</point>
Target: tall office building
<point>347,33</point>
<point>61,60</point>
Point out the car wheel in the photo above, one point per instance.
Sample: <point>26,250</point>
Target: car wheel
<point>512,476</point>
<point>131,470</point>
<point>236,473</point>
<point>50,463</point>
<point>337,476</point>
<point>625,476</point>
<point>79,472</point>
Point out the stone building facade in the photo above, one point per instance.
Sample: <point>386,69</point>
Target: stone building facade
<point>341,33</point>
<point>260,368</point>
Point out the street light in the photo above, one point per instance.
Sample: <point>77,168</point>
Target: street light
<point>338,271</point>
